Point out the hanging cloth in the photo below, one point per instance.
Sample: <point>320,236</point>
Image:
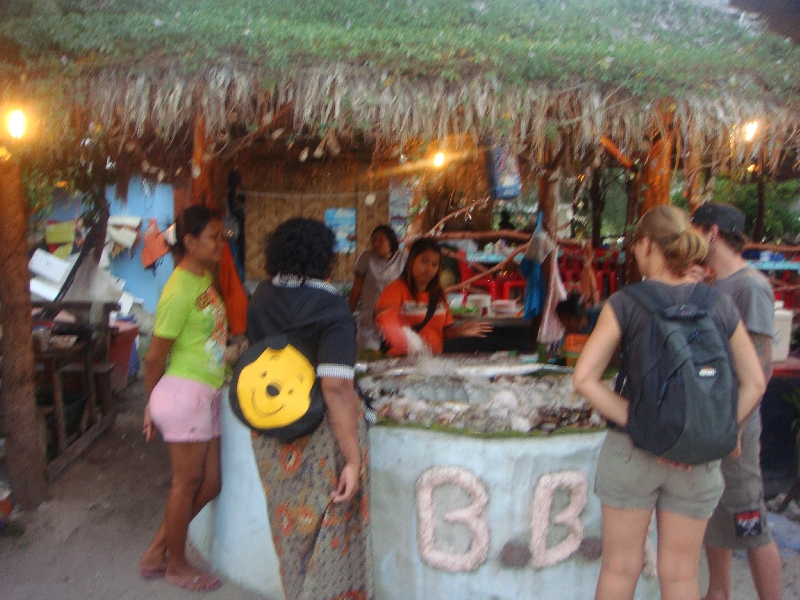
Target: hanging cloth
<point>551,329</point>
<point>155,246</point>
<point>233,292</point>
<point>531,268</point>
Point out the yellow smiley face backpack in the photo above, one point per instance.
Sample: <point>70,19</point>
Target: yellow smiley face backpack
<point>275,390</point>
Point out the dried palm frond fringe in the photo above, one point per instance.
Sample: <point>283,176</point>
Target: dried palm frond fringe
<point>393,110</point>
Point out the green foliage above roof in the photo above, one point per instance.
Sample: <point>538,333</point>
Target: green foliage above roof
<point>648,48</point>
<point>537,73</point>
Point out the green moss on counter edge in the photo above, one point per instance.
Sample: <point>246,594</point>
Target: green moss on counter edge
<point>493,435</point>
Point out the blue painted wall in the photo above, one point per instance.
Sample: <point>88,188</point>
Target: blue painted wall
<point>142,283</point>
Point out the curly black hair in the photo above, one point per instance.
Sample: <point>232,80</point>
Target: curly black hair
<point>301,247</point>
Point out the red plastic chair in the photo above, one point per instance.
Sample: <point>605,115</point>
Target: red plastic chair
<point>484,282</point>
<point>606,267</point>
<point>570,265</point>
<point>505,283</point>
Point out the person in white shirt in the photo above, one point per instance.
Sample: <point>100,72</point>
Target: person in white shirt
<point>375,268</point>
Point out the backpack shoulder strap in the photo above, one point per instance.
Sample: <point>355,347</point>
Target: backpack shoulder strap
<point>653,302</point>
<point>647,296</point>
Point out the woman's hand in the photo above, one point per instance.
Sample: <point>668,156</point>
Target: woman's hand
<point>674,464</point>
<point>348,484</point>
<point>737,451</point>
<point>233,352</point>
<point>342,403</point>
<point>469,329</point>
<point>149,428</point>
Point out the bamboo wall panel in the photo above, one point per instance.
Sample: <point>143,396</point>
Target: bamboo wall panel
<point>303,185</point>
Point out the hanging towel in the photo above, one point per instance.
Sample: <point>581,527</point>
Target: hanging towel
<point>233,293</point>
<point>60,233</point>
<point>154,247</point>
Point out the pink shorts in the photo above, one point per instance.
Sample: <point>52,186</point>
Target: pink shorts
<point>185,410</point>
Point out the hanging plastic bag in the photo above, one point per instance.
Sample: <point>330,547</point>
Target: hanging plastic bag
<point>551,330</point>
<point>541,244</point>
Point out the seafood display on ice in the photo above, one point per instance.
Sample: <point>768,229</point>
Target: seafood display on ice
<point>487,394</point>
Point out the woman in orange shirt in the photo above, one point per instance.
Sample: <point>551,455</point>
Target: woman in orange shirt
<point>405,303</point>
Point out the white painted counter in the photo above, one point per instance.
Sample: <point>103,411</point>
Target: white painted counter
<point>449,512</point>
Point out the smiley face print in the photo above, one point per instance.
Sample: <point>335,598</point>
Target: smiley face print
<point>275,389</point>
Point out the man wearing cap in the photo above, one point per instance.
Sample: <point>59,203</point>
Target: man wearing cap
<point>739,520</point>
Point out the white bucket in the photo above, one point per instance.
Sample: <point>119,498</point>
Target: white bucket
<point>455,300</point>
<point>481,302</point>
<point>782,334</point>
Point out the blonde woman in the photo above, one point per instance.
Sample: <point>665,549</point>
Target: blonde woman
<point>631,482</point>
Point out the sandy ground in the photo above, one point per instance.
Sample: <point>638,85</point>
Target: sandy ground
<point>84,542</point>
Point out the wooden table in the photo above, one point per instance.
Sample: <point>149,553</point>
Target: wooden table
<point>89,360</point>
<point>777,439</point>
<point>54,361</point>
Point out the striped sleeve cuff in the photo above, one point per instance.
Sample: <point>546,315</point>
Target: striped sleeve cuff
<point>336,371</point>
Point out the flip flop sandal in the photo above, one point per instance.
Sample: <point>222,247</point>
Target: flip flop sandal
<point>156,573</point>
<point>195,585</point>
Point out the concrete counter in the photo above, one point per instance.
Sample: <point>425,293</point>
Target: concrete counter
<point>452,516</point>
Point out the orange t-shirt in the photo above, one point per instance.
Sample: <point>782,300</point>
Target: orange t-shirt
<point>397,307</point>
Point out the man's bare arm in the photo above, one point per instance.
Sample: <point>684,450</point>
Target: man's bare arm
<point>763,346</point>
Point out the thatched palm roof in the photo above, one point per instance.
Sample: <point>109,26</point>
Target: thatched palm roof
<point>524,70</point>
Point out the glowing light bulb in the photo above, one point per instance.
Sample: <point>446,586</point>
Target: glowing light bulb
<point>751,168</point>
<point>16,123</point>
<point>438,160</point>
<point>750,130</point>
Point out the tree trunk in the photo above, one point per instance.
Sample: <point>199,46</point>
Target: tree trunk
<point>631,273</point>
<point>758,226</point>
<point>549,192</point>
<point>692,176</point>
<point>597,205</point>
<point>24,450</point>
<point>657,170</point>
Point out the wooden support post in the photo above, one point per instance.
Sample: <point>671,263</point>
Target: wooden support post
<point>692,172</point>
<point>597,204</point>
<point>206,182</point>
<point>631,274</point>
<point>617,154</point>
<point>657,170</point>
<point>24,454</point>
<point>758,226</point>
<point>549,192</point>
<point>201,171</point>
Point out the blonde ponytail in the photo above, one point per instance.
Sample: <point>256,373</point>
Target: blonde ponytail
<point>669,228</point>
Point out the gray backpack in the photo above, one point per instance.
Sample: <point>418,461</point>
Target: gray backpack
<point>679,379</point>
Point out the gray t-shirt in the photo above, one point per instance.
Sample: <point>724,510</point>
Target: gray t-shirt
<point>377,273</point>
<point>751,292</point>
<point>633,317</point>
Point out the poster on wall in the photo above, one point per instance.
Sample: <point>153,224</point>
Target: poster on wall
<point>399,204</point>
<point>503,170</point>
<point>343,223</point>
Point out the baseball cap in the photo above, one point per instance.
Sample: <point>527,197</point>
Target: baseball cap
<point>728,218</point>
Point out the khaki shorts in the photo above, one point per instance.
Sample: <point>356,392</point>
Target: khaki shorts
<point>740,520</point>
<point>631,478</point>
